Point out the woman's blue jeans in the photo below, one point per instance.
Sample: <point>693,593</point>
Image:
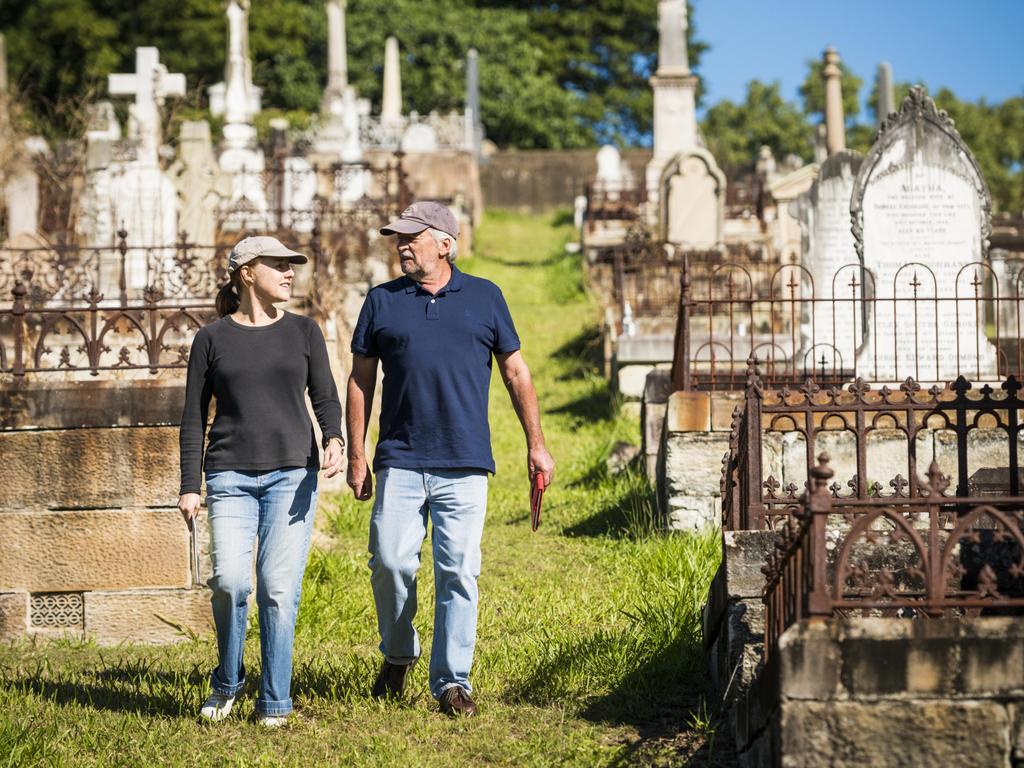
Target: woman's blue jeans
<point>456,503</point>
<point>277,507</point>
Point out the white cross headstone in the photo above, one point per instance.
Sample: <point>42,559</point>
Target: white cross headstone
<point>150,84</point>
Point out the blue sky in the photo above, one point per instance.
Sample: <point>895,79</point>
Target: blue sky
<point>974,48</point>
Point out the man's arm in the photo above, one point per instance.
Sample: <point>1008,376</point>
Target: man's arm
<point>361,383</point>
<point>518,382</point>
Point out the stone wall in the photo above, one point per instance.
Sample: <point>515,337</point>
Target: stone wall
<point>888,692</point>
<point>694,438</point>
<point>542,180</point>
<point>91,541</point>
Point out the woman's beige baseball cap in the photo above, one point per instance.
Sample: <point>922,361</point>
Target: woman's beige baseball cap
<point>261,245</point>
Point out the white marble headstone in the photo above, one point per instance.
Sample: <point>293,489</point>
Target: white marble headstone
<point>921,215</point>
<point>834,324</point>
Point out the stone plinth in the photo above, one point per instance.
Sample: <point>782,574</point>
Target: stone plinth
<point>888,692</point>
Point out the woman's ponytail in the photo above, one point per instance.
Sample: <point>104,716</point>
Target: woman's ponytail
<point>228,301</point>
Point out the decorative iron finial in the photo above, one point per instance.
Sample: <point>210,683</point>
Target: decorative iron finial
<point>937,483</point>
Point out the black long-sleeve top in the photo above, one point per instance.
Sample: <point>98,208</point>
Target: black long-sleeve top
<point>259,376</point>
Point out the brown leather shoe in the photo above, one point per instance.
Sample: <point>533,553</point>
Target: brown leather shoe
<point>390,682</point>
<point>455,701</point>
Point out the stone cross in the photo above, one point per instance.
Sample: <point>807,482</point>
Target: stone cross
<point>672,58</point>
<point>835,128</point>
<point>886,96</point>
<point>150,84</point>
<point>391,103</point>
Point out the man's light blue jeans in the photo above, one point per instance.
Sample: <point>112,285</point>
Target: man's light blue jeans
<point>277,506</point>
<point>455,503</point>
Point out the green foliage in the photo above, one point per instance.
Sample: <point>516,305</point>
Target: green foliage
<point>736,132</point>
<point>812,91</point>
<point>556,77</point>
<point>995,134</point>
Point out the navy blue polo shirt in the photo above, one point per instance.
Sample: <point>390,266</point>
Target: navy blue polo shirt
<point>435,352</point>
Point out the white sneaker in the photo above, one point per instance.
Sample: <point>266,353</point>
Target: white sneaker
<point>272,721</point>
<point>217,706</point>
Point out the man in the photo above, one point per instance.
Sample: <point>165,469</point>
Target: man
<point>434,330</point>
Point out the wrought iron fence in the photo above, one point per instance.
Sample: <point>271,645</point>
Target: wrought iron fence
<point>926,555</point>
<point>150,334</point>
<point>613,203</point>
<point>885,435</point>
<point>928,326</point>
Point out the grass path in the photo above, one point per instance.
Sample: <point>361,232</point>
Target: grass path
<point>588,649</point>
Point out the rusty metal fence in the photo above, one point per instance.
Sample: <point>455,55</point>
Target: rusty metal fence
<point>924,556</point>
<point>920,324</point>
<point>615,202</point>
<point>865,528</point>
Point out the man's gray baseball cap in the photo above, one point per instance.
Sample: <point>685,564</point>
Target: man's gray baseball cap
<point>261,245</point>
<point>423,215</point>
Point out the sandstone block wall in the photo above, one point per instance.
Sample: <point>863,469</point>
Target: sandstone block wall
<point>91,541</point>
<point>889,692</point>
<point>694,438</point>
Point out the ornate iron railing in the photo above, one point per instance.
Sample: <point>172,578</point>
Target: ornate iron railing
<point>882,432</point>
<point>929,555</point>
<point>150,335</point>
<point>915,326</point>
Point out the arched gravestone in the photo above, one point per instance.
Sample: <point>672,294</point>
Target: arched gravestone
<point>833,325</point>
<point>692,200</point>
<point>921,211</point>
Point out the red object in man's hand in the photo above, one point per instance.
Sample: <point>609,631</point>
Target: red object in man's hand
<point>536,496</point>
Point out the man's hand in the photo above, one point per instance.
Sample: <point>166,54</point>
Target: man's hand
<point>333,455</point>
<point>188,505</point>
<point>539,460</point>
<point>359,478</point>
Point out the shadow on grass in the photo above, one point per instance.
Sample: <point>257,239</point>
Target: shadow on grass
<point>128,689</point>
<point>596,405</point>
<point>663,699</point>
<point>630,514</point>
<point>584,353</point>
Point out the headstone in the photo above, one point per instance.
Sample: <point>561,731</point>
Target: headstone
<point>886,93</point>
<point>21,192</point>
<point>579,211</point>
<point>675,116</point>
<point>834,324</point>
<point>921,216</point>
<point>143,199</point>
<point>609,171</point>
<point>150,84</point>
<point>419,137</point>
<point>692,201</point>
<point>236,99</point>
<point>3,64</point>
<point>195,172</point>
<point>476,125</point>
<point>835,125</point>
<point>337,58</point>
<point>391,102</point>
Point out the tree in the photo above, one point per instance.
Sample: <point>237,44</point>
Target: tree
<point>735,132</point>
<point>566,75</point>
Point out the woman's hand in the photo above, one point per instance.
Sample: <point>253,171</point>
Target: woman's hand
<point>333,455</point>
<point>188,505</point>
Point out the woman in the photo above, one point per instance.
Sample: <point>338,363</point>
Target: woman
<point>257,361</point>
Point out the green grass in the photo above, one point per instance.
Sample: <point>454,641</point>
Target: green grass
<point>588,640</point>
